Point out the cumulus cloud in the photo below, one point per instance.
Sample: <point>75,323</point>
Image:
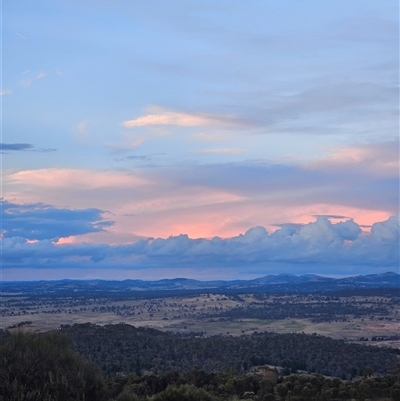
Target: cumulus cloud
<point>348,230</point>
<point>158,116</point>
<point>35,222</point>
<point>387,230</point>
<point>319,246</point>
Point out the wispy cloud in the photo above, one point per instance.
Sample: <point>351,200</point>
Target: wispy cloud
<point>5,92</point>
<point>377,159</point>
<point>81,133</point>
<point>44,150</point>
<point>21,36</point>
<point>40,75</point>
<point>223,151</point>
<point>77,178</point>
<point>159,116</point>
<point>331,216</point>
<point>133,157</point>
<point>27,82</point>
<point>219,198</point>
<point>16,146</point>
<point>209,136</point>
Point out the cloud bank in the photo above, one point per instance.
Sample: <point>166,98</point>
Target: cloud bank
<point>321,246</point>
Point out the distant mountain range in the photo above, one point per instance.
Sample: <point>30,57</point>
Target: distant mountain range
<point>269,283</point>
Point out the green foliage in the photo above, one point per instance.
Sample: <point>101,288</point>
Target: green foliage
<point>127,396</point>
<point>231,387</point>
<point>44,368</point>
<point>367,372</point>
<point>122,349</point>
<point>395,392</point>
<point>187,392</point>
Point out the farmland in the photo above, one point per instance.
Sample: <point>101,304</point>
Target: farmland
<point>357,315</point>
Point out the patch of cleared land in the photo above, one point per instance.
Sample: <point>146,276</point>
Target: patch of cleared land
<point>205,313</point>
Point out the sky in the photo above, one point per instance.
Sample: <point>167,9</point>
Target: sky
<point>199,139</point>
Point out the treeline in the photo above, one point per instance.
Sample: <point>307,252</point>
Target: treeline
<point>123,349</point>
<point>317,312</point>
<point>43,367</point>
<point>198,385</point>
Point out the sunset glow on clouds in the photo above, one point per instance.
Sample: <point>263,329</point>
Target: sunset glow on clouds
<point>313,245</point>
<point>158,116</point>
<point>273,146</point>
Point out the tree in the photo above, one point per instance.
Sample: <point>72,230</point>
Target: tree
<point>187,392</point>
<point>43,367</point>
<point>367,372</point>
<point>281,390</point>
<point>395,392</point>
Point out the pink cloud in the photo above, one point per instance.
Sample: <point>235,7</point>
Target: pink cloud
<point>161,210</point>
<point>320,246</point>
<point>223,200</point>
<point>376,159</point>
<point>76,178</point>
<point>364,217</point>
<point>159,116</point>
<point>74,239</point>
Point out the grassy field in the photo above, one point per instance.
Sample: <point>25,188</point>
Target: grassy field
<point>189,314</point>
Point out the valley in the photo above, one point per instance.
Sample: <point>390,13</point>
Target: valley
<point>366,315</point>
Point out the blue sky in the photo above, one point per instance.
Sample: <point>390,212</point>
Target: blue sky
<point>133,133</point>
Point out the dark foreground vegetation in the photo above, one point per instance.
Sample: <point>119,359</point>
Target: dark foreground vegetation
<point>120,349</point>
<point>45,367</point>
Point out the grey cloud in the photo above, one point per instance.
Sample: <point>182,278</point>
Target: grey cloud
<point>326,61</point>
<point>39,221</point>
<point>16,146</point>
<point>319,247</point>
<point>324,108</point>
<point>45,150</point>
<point>133,157</point>
<point>294,226</point>
<point>21,147</point>
<point>368,183</point>
<point>246,176</point>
